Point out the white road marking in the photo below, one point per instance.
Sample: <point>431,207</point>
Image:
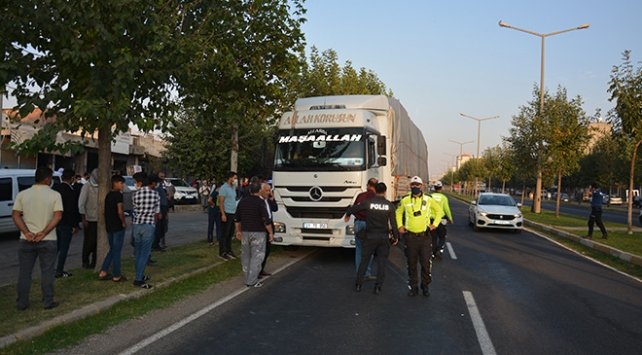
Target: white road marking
<point>159,335</point>
<point>487,347</point>
<point>451,251</point>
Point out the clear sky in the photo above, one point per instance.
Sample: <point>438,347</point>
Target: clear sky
<point>441,58</point>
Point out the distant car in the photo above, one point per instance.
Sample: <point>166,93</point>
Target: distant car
<point>637,201</point>
<point>185,194</point>
<point>493,210</point>
<point>615,200</point>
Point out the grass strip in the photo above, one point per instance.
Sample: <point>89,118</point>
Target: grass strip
<point>71,334</point>
<point>602,257</point>
<point>84,288</point>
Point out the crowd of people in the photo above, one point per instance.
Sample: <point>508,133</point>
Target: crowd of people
<point>48,218</point>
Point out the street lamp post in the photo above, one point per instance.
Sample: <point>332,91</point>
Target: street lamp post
<point>538,185</point>
<point>461,151</point>
<point>479,121</point>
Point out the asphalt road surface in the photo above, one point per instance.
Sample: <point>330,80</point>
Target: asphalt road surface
<point>495,292</point>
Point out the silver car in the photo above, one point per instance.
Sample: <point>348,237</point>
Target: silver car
<point>493,210</point>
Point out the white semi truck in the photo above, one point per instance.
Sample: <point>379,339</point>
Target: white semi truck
<point>327,149</point>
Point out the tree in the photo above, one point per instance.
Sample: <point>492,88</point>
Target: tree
<point>567,136</point>
<point>498,161</point>
<point>528,140</point>
<point>323,76</point>
<point>625,88</point>
<point>97,66</point>
<point>248,55</point>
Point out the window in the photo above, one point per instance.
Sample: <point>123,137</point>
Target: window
<point>6,189</point>
<point>25,182</point>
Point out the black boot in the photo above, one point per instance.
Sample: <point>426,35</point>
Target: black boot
<point>377,289</point>
<point>413,291</point>
<point>357,287</point>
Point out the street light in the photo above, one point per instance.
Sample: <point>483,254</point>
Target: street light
<point>538,184</point>
<point>479,121</point>
<point>461,150</point>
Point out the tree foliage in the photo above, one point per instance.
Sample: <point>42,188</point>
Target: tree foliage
<point>625,88</point>
<point>322,75</point>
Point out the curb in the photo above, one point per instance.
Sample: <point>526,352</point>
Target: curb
<point>93,308</point>
<point>624,256</point>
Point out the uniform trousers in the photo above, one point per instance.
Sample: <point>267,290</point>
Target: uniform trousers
<point>379,247</point>
<point>419,249</point>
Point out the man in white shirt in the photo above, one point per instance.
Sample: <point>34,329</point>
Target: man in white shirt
<point>36,213</point>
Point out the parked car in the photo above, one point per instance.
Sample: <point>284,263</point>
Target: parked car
<point>185,194</point>
<point>13,181</point>
<point>493,210</point>
<point>637,201</point>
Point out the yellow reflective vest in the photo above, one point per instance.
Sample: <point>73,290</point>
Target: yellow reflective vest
<point>442,200</point>
<point>414,213</point>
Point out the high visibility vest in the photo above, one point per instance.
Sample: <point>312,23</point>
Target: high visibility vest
<point>414,213</point>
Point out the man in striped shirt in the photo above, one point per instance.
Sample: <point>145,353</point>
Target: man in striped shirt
<point>146,204</point>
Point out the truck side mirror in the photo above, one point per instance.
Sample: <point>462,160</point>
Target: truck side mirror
<point>381,146</point>
<point>382,161</point>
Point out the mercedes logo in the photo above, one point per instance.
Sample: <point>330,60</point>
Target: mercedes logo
<point>316,193</point>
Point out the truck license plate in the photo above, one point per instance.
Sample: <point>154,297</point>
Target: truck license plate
<point>315,225</point>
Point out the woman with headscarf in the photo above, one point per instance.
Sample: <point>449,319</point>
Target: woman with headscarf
<point>88,208</point>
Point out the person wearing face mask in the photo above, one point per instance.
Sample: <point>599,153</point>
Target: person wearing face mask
<point>227,207</point>
<point>413,218</point>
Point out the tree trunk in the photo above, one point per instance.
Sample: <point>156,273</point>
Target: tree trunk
<point>537,198</point>
<point>629,203</point>
<point>523,193</point>
<point>503,186</point>
<point>559,194</point>
<point>234,153</point>
<point>104,185</point>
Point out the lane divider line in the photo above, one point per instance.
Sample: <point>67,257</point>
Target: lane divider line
<point>486,344</point>
<point>176,326</point>
<point>451,251</point>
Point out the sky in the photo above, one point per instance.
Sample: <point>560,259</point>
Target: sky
<point>442,58</point>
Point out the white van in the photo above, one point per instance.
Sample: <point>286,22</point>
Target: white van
<point>13,181</point>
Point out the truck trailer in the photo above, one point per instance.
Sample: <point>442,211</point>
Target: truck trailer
<point>327,148</point>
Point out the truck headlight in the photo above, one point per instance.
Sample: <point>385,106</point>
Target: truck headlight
<point>279,227</point>
<point>350,229</point>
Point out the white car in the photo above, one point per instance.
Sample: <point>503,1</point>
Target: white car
<point>184,194</point>
<point>492,210</point>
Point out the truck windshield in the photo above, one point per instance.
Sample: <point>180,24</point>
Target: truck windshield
<point>329,149</point>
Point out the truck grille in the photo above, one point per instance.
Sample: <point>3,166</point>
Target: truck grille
<point>317,212</point>
<point>307,188</point>
<point>308,199</point>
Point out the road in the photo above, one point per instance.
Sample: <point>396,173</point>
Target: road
<point>184,227</point>
<point>610,214</point>
<point>498,292</point>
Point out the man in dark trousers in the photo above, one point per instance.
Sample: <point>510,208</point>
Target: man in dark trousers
<point>360,226</point>
<point>270,206</point>
<point>380,222</point>
<point>70,219</point>
<point>596,212</point>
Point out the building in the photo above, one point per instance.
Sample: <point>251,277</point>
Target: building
<point>129,149</point>
<point>597,130</point>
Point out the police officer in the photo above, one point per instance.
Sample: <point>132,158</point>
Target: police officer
<point>439,234</point>
<point>380,222</point>
<point>413,218</point>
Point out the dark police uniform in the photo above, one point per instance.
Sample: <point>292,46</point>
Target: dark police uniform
<point>380,222</point>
